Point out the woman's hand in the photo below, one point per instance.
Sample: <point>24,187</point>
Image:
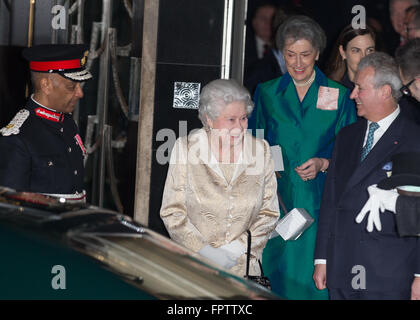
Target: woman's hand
<point>309,169</point>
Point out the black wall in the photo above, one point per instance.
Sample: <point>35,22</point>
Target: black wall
<point>189,49</point>
<point>13,78</point>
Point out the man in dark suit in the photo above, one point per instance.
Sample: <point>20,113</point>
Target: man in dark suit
<point>352,262</point>
<point>405,207</point>
<point>41,150</point>
<point>272,64</point>
<point>259,38</point>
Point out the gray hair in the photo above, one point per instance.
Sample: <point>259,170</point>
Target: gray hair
<point>386,72</point>
<point>300,27</point>
<point>408,59</point>
<point>217,94</point>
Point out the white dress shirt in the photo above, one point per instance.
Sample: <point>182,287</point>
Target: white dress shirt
<point>260,43</point>
<point>383,126</point>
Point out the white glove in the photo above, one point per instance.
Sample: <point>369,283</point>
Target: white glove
<point>218,255</point>
<point>235,248</point>
<point>379,200</point>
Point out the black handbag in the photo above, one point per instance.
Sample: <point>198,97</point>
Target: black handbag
<point>261,280</point>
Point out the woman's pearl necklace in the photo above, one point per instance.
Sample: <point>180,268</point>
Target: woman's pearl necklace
<point>307,82</point>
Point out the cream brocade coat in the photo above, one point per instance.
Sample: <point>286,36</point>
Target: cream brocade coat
<point>200,207</point>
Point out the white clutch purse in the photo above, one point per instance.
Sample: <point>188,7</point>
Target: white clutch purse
<point>293,224</point>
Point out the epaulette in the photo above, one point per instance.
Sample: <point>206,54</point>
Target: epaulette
<point>15,124</point>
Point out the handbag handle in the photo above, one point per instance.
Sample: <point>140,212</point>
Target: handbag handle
<point>282,205</point>
<point>248,256</point>
<point>248,253</point>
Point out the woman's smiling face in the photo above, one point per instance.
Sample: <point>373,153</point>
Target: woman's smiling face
<point>300,57</point>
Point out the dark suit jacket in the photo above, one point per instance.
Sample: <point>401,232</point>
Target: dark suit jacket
<point>389,261</point>
<point>251,54</point>
<point>261,71</point>
<point>410,107</point>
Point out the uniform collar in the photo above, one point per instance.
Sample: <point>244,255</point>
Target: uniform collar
<point>42,111</point>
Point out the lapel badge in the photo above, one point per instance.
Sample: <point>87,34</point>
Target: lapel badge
<point>388,168</point>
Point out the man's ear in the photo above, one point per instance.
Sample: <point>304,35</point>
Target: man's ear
<point>386,91</point>
<point>45,84</point>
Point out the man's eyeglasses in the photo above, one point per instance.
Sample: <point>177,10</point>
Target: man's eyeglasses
<point>405,90</point>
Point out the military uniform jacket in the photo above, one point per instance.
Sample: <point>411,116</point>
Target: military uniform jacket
<point>41,151</point>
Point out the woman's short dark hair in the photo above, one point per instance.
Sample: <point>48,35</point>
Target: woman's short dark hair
<point>300,27</point>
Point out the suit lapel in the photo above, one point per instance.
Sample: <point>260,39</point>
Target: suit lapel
<point>348,160</point>
<point>382,149</point>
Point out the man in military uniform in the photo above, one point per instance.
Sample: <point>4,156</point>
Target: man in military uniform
<point>41,149</point>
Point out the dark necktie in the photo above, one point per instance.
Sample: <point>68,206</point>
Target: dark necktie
<point>266,48</point>
<point>369,142</point>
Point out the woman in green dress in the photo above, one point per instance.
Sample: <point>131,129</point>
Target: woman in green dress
<point>302,112</point>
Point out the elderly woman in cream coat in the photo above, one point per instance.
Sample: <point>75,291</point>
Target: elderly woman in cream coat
<point>221,183</point>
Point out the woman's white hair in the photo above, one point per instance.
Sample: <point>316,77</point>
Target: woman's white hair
<point>217,94</point>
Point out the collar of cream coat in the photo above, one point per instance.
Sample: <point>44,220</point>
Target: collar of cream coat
<point>246,158</point>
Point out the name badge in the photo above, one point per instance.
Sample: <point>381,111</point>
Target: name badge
<point>327,98</point>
